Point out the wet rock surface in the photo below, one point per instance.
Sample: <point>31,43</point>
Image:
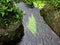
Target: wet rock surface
<point>44,35</point>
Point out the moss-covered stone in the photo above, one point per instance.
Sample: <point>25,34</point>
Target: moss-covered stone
<point>11,27</point>
<point>11,35</point>
<point>52,17</point>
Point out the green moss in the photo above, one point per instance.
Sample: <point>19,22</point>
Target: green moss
<point>39,4</point>
<point>52,18</point>
<point>32,25</point>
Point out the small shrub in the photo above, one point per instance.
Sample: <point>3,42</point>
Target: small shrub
<point>9,13</point>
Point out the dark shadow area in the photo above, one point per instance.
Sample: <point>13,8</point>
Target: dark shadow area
<point>30,5</point>
<point>16,39</point>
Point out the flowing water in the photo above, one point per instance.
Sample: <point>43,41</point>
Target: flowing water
<point>36,31</point>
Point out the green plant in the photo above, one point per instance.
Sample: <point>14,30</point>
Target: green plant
<point>39,4</point>
<point>42,3</point>
<point>9,13</point>
<point>56,4</point>
<point>29,1</point>
<point>17,1</point>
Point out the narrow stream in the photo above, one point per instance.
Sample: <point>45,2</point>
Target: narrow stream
<point>42,35</point>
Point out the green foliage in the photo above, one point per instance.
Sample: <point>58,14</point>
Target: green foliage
<point>29,1</point>
<point>25,1</point>
<point>9,13</point>
<point>56,3</point>
<point>17,1</point>
<point>41,3</point>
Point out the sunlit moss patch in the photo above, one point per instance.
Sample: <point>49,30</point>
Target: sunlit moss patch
<point>32,24</point>
<point>39,4</point>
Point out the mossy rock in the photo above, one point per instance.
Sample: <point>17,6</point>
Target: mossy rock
<point>52,17</point>
<point>11,27</point>
<point>12,35</point>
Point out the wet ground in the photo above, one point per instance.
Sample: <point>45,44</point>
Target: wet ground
<point>44,35</point>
